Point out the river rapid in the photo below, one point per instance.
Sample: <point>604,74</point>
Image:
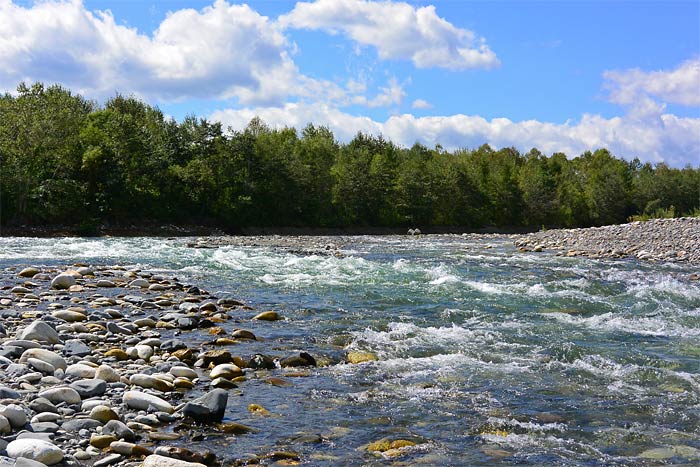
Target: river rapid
<point>486,356</point>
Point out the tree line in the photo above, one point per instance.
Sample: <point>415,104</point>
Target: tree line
<point>67,160</point>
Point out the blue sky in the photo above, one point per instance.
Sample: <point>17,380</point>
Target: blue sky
<point>557,75</point>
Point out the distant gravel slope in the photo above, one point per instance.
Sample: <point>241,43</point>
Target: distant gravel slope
<point>672,240</point>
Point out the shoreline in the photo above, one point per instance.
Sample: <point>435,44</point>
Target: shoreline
<point>675,240</point>
<point>111,365</point>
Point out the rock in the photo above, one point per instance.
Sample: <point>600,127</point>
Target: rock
<point>155,460</point>
<point>42,451</point>
<point>185,454</point>
<point>61,394</point>
<point>129,449</point>
<point>216,357</point>
<point>77,424</point>
<point>243,334</point>
<point>89,387</point>
<point>268,316</point>
<point>183,372</point>
<point>148,381</point>
<point>24,462</point>
<point>143,401</point>
<point>105,283</point>
<point>41,404</point>
<point>5,426</point>
<point>69,316</point>
<point>140,283</point>
<point>80,370</point>
<point>107,373</point>
<point>101,441</point>
<point>44,355</point>
<point>119,430</point>
<point>119,354</point>
<point>360,356</point>
<point>42,366</point>
<point>303,359</point>
<point>62,281</point>
<point>226,370</point>
<point>39,331</point>
<point>108,460</point>
<point>28,272</point>
<point>103,414</point>
<point>14,414</point>
<point>260,361</point>
<point>209,408</point>
<point>76,347</point>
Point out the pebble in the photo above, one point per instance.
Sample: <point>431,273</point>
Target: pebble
<point>35,449</point>
<point>660,240</point>
<point>39,331</point>
<point>155,460</point>
<point>143,401</point>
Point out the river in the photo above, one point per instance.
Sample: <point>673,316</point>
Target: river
<point>486,356</point>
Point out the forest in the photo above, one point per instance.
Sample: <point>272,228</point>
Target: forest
<point>67,160</point>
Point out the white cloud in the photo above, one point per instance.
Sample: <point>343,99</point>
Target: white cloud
<point>397,30</point>
<point>391,94</point>
<point>421,104</point>
<point>678,86</point>
<point>669,138</point>
<point>221,51</point>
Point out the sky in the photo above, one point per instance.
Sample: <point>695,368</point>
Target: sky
<point>561,76</point>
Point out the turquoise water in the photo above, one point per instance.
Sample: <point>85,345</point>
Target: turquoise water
<point>486,356</point>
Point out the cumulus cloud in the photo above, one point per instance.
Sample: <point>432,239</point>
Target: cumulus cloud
<point>678,86</point>
<point>397,30</point>
<point>221,51</point>
<point>670,138</point>
<point>421,104</point>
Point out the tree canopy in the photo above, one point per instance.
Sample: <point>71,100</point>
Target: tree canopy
<point>67,160</point>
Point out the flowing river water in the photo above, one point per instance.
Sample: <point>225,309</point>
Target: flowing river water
<point>486,356</point>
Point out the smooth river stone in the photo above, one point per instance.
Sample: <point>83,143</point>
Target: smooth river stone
<point>42,366</point>
<point>183,372</point>
<point>39,331</point>
<point>61,394</point>
<point>69,315</point>
<point>62,281</point>
<point>15,414</point>
<point>154,460</point>
<point>28,272</point>
<point>5,426</point>
<point>36,449</point>
<point>142,401</point>
<point>107,373</point>
<point>140,283</point>
<point>103,414</point>
<point>44,355</point>
<point>226,370</point>
<point>80,370</point>
<point>209,408</point>
<point>148,381</point>
<point>89,387</point>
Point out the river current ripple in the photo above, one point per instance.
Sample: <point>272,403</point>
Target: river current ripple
<point>486,356</point>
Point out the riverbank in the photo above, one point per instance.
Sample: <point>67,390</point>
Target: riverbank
<point>661,240</point>
<point>107,365</point>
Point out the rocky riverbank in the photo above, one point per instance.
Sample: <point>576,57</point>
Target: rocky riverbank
<point>660,240</point>
<point>104,365</point>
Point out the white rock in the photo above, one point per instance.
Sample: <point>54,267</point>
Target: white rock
<point>39,331</point>
<point>35,449</point>
<point>226,370</point>
<point>142,401</point>
<point>183,372</point>
<point>141,283</point>
<point>5,426</point>
<point>42,366</point>
<point>63,281</point>
<point>15,414</point>
<point>44,355</point>
<point>80,370</point>
<point>154,460</point>
<point>148,381</point>
<point>107,373</point>
<point>61,394</point>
